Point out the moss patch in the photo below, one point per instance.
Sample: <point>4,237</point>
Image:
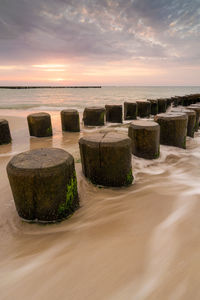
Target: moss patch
<point>129,178</point>
<point>49,131</point>
<point>102,117</point>
<point>158,153</point>
<point>69,206</point>
<point>78,161</point>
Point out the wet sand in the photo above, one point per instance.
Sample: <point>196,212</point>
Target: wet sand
<point>140,242</point>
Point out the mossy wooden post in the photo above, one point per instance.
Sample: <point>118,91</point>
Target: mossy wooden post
<point>169,102</point>
<point>5,136</point>
<point>173,129</point>
<point>145,137</point>
<point>176,101</point>
<point>197,98</point>
<point>162,105</point>
<point>130,110</point>
<point>114,113</point>
<point>43,183</point>
<point>154,106</point>
<point>192,99</point>
<point>191,120</point>
<point>196,108</point>
<point>94,116</point>
<point>40,124</point>
<point>185,101</point>
<point>106,159</point>
<point>70,120</point>
<point>144,108</point>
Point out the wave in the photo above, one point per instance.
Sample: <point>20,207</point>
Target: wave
<point>41,107</point>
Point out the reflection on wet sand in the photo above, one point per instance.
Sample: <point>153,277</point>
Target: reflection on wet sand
<point>140,242</point>
<point>40,142</point>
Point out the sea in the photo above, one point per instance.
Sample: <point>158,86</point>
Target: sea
<point>58,98</point>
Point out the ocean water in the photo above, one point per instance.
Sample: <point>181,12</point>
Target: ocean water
<point>56,99</point>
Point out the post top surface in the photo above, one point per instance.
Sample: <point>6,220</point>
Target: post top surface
<point>139,124</point>
<point>142,101</point>
<point>39,114</point>
<point>41,158</point>
<point>69,111</point>
<point>3,121</point>
<point>171,116</point>
<point>102,138</point>
<point>185,111</point>
<point>95,108</point>
<point>194,107</point>
<point>112,105</point>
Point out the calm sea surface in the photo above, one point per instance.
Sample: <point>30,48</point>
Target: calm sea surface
<point>55,99</point>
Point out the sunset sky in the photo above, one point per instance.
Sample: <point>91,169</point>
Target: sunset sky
<point>107,42</point>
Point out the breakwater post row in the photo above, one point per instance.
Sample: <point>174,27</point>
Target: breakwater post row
<point>40,123</point>
<point>43,181</point>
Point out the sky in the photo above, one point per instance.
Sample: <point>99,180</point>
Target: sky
<point>107,42</point>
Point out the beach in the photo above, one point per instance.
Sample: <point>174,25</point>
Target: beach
<point>139,242</point>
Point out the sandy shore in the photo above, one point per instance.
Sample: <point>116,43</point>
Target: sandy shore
<point>140,242</point>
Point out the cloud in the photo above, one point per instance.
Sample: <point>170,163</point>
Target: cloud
<point>96,32</point>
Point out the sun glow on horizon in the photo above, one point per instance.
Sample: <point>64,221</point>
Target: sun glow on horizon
<point>81,72</point>
<point>56,79</point>
<point>50,66</point>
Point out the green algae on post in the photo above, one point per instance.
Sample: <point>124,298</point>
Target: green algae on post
<point>129,178</point>
<point>49,131</point>
<point>157,155</point>
<point>70,204</point>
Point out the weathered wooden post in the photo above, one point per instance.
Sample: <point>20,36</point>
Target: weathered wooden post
<point>162,105</point>
<point>130,110</point>
<point>43,183</point>
<point>196,108</point>
<point>145,137</point>
<point>70,120</point>
<point>191,120</point>
<point>176,101</point>
<point>94,116</point>
<point>114,113</point>
<point>106,159</point>
<point>154,106</point>
<point>144,108</point>
<point>40,124</point>
<point>173,129</point>
<point>169,102</point>
<point>5,136</point>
